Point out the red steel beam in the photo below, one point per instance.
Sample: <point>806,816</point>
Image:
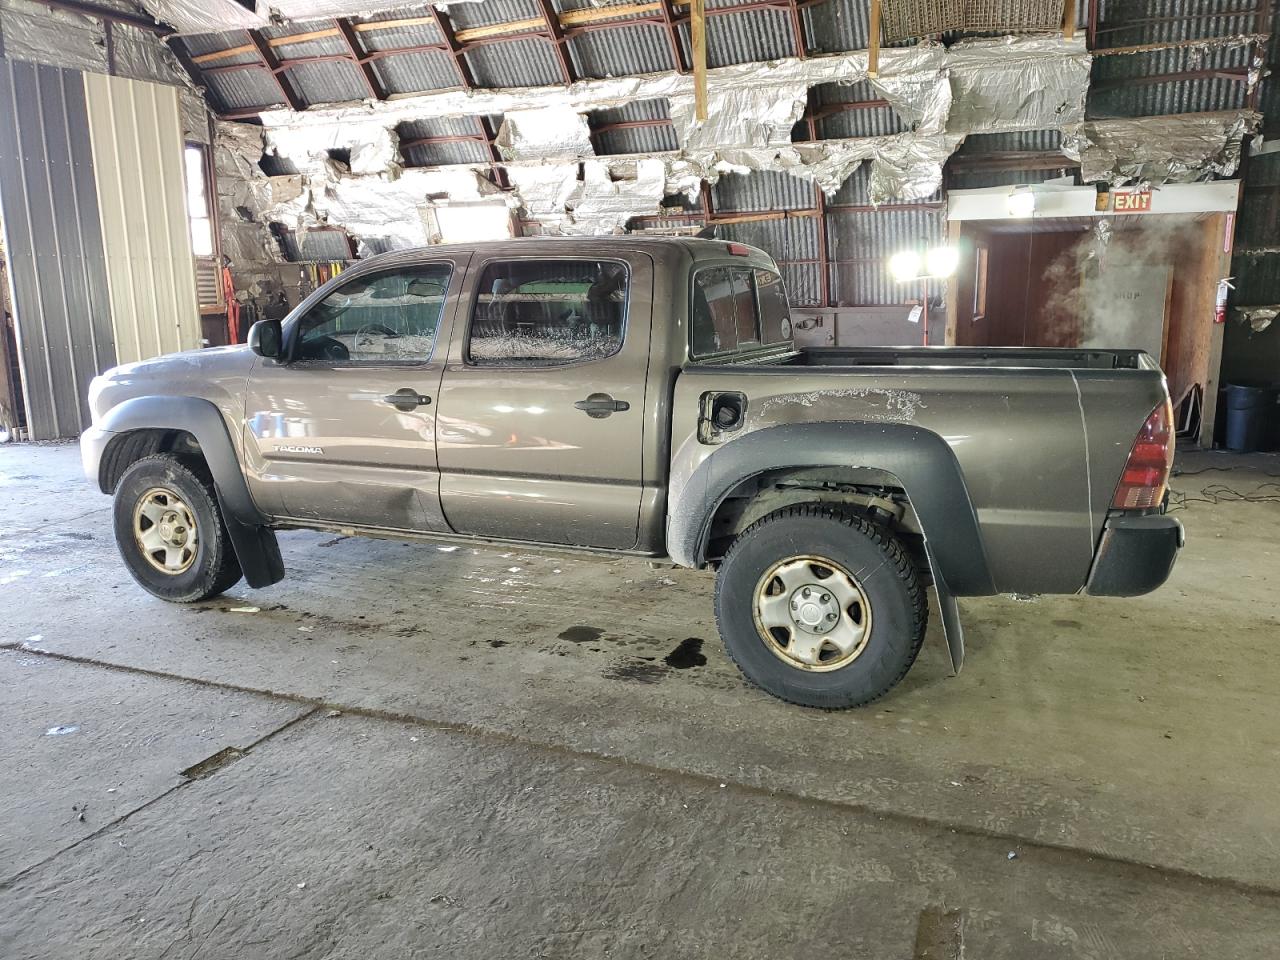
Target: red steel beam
<point>555,34</point>
<point>669,19</point>
<point>272,63</point>
<point>358,56</point>
<point>454,48</point>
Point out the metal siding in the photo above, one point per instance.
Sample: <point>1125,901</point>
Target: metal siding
<point>517,63</point>
<point>404,36</point>
<point>642,140</point>
<point>621,51</point>
<point>136,136</point>
<point>329,81</point>
<point>416,72</point>
<point>201,44</point>
<point>866,240</point>
<point>1026,140</point>
<point>243,89</point>
<point>54,244</point>
<point>761,190</point>
<point>464,16</point>
<point>977,179</point>
<point>749,36</point>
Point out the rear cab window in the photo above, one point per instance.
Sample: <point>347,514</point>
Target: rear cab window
<point>548,312</point>
<point>737,309</point>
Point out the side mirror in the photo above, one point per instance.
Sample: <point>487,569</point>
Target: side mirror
<point>266,339</point>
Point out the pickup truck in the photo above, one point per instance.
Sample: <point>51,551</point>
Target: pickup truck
<point>644,396</point>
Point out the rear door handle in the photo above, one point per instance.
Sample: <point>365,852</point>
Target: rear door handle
<point>406,399</point>
<point>600,405</point>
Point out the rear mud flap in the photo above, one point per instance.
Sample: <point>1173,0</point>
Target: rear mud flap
<point>951,628</point>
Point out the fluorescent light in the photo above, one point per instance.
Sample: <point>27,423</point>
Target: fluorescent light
<point>905,266</point>
<point>942,261</point>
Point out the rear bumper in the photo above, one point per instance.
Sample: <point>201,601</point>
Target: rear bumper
<point>1136,555</point>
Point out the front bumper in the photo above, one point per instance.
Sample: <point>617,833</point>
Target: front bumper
<point>1136,555</point>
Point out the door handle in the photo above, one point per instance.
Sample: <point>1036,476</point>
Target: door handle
<point>406,399</point>
<point>600,405</point>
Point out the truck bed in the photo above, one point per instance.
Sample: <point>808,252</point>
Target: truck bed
<point>1041,435</point>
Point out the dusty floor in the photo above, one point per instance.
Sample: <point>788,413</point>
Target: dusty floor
<point>419,751</point>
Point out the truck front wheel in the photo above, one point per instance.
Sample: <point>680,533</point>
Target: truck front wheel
<point>170,530</point>
<point>820,607</point>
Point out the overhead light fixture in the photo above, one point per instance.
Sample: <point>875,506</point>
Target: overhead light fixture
<point>941,261</point>
<point>1022,203</point>
<point>905,266</point>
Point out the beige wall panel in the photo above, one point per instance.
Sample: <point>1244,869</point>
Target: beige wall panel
<point>136,133</point>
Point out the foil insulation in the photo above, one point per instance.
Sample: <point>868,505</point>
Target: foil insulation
<point>1177,149</point>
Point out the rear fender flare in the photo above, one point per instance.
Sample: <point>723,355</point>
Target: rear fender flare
<point>255,543</point>
<point>921,461</point>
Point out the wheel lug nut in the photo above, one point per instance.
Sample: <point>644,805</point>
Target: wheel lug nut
<point>825,597</point>
<point>831,616</point>
<point>805,593</point>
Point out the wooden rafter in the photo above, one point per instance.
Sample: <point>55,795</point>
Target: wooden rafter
<point>698,36</point>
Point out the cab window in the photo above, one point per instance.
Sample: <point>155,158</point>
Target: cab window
<point>387,317</point>
<point>540,313</point>
<point>738,308</point>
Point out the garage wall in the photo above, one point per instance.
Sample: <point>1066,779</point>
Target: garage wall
<point>53,240</point>
<point>136,132</point>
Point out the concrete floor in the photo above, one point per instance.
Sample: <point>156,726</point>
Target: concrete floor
<point>420,751</point>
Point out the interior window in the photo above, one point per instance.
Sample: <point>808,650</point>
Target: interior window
<point>537,313</point>
<point>724,311</point>
<point>389,317</point>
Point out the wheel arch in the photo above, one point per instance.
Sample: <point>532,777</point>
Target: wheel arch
<point>144,425</point>
<point>918,461</point>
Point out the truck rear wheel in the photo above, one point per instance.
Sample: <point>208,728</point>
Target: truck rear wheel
<point>170,531</point>
<point>820,607</point>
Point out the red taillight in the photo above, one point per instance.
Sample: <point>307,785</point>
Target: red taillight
<point>1142,484</point>
<point>739,250</point>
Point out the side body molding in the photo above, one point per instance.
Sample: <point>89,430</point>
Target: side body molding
<point>920,459</point>
<point>255,543</point>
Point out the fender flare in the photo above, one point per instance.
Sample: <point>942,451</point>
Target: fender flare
<point>921,461</point>
<point>254,542</point>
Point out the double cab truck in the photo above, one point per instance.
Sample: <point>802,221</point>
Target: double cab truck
<point>644,396</point>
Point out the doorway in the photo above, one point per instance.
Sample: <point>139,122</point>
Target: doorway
<point>1147,282</point>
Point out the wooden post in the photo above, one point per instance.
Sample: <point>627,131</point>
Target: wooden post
<point>698,33</point>
<point>873,52</point>
<point>1069,19</point>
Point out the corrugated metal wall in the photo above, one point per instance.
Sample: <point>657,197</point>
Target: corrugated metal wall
<point>53,239</point>
<point>137,155</point>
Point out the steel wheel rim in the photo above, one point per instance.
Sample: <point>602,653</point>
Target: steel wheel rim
<point>820,630</point>
<point>164,529</point>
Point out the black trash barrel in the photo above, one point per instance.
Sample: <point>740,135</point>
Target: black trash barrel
<point>1251,409</point>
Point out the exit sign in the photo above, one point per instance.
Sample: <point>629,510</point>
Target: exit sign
<point>1131,201</point>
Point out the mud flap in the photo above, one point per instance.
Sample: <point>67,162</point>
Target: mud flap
<point>256,548</point>
<point>951,628</point>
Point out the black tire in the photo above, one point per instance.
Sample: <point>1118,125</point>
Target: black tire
<point>213,569</point>
<point>899,610</point>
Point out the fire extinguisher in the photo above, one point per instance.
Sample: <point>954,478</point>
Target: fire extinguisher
<point>1220,302</point>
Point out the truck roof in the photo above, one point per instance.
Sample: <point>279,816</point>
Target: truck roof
<point>698,248</point>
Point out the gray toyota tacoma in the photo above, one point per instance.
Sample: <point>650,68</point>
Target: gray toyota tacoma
<point>643,396</point>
